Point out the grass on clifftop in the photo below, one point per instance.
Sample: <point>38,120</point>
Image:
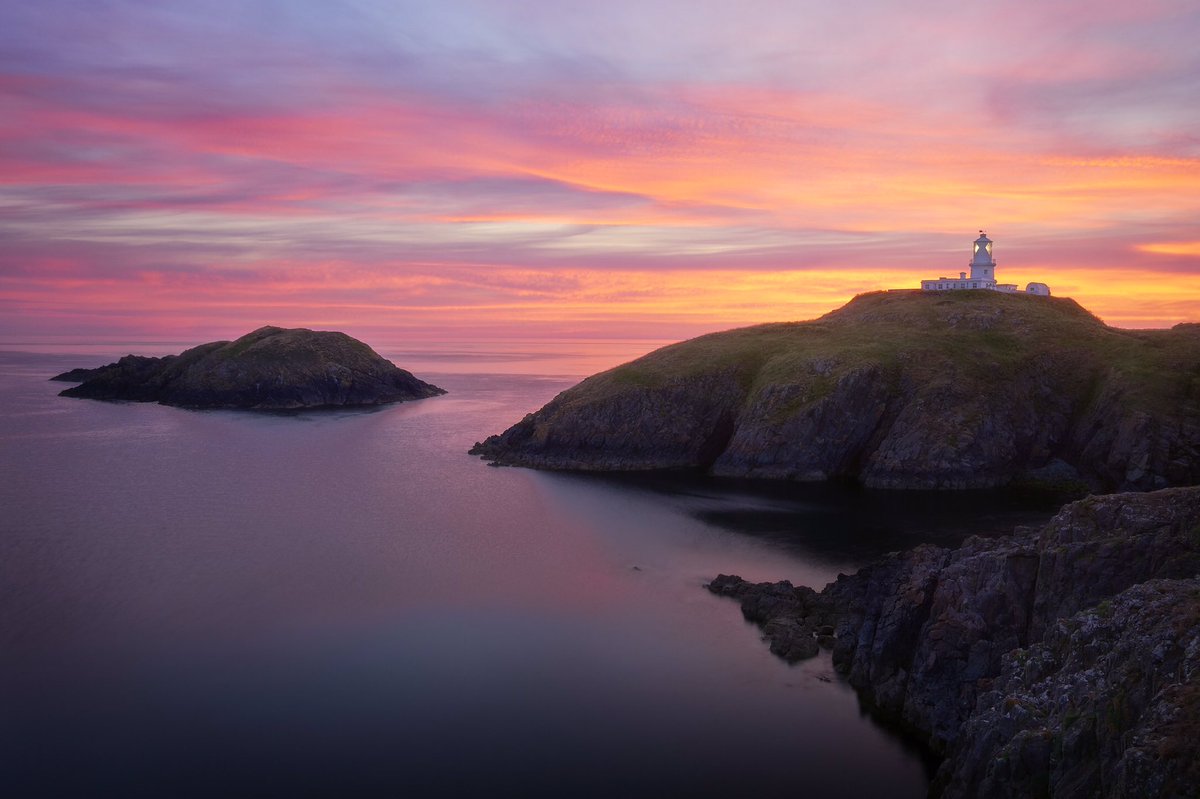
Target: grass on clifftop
<point>934,336</point>
<point>299,344</point>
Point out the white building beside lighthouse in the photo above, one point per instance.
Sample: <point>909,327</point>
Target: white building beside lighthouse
<point>983,275</point>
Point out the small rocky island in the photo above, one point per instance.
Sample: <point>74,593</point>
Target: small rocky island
<point>271,368</point>
<point>1062,661</point>
<point>899,389</point>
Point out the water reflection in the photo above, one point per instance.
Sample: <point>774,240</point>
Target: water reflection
<point>206,603</point>
<point>834,523</point>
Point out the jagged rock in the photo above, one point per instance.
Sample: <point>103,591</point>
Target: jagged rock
<point>933,637</point>
<point>792,617</point>
<point>895,390</point>
<point>1108,704</point>
<point>83,375</point>
<point>1101,545</point>
<point>268,369</point>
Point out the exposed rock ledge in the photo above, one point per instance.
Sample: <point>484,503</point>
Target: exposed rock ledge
<point>1059,662</point>
<point>268,369</point>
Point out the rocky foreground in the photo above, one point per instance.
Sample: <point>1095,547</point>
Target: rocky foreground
<point>268,369</point>
<point>963,389</point>
<point>1063,661</point>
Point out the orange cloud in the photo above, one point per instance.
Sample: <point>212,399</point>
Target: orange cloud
<point>1187,248</point>
<point>462,193</point>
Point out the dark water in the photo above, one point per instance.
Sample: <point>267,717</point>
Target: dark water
<point>222,603</point>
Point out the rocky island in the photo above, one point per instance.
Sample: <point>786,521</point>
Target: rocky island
<point>900,389</point>
<point>271,368</point>
<point>1062,661</point>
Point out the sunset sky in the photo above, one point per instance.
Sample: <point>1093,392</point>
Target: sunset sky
<point>192,170</point>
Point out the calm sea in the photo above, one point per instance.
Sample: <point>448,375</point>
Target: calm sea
<point>347,604</point>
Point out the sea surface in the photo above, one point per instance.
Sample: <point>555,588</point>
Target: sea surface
<point>218,603</point>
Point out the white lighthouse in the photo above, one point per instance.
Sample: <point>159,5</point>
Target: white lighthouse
<point>983,268</point>
<point>983,274</point>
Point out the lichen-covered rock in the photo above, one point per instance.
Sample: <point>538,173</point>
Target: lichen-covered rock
<point>1108,704</point>
<point>920,630</point>
<point>895,390</point>
<point>931,637</point>
<point>268,369</point>
<point>1101,545</point>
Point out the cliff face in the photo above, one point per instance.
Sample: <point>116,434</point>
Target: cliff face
<point>1056,662</point>
<point>899,390</point>
<point>1108,704</point>
<point>268,369</point>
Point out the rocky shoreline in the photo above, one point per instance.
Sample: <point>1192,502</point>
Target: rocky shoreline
<point>1061,661</point>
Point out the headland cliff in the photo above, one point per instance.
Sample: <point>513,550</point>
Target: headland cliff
<point>901,389</point>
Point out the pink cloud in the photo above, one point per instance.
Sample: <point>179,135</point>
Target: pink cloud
<point>452,171</point>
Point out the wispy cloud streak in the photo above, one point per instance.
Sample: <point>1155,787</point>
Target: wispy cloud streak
<point>475,165</point>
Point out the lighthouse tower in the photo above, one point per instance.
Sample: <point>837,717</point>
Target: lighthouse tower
<point>983,268</point>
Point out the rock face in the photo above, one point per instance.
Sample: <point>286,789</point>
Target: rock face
<point>897,390</point>
<point>1108,704</point>
<point>269,369</point>
<point>83,375</point>
<point>993,652</point>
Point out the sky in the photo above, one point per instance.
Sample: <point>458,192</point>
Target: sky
<point>537,169</point>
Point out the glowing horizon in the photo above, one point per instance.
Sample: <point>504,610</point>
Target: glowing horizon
<point>640,170</point>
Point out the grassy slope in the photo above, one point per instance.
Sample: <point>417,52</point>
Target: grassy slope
<point>934,337</point>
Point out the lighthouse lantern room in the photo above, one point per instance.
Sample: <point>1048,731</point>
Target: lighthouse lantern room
<point>982,265</point>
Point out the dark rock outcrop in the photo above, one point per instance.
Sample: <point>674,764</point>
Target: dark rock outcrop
<point>992,652</point>
<point>895,390</point>
<point>1108,704</point>
<point>794,619</point>
<point>268,369</point>
<point>83,375</point>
